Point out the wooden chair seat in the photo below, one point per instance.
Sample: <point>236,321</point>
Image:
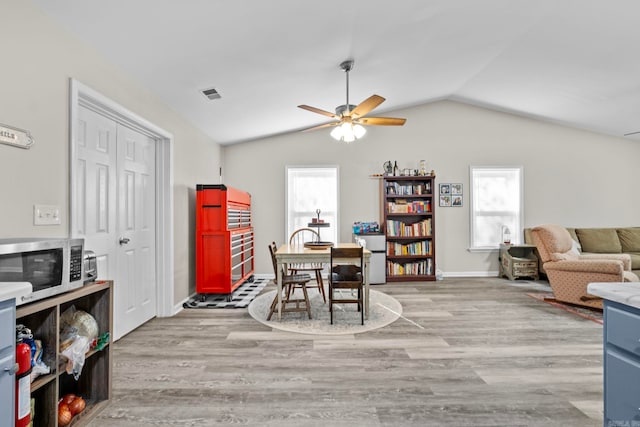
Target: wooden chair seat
<point>299,237</point>
<point>290,282</point>
<point>346,273</point>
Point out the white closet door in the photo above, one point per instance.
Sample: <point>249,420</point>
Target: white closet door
<point>136,290</point>
<point>115,184</point>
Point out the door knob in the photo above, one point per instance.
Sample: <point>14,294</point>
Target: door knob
<point>124,240</point>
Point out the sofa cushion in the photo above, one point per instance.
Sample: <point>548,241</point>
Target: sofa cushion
<point>599,240</point>
<point>575,248</point>
<point>572,233</point>
<point>635,260</point>
<point>629,239</point>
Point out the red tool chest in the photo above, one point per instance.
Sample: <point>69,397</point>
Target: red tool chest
<point>224,239</point>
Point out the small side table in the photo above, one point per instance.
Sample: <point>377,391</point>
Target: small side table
<point>518,261</point>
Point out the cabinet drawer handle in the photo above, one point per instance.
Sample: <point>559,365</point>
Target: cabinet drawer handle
<point>12,370</point>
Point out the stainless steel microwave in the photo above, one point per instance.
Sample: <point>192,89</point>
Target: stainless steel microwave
<point>52,266</point>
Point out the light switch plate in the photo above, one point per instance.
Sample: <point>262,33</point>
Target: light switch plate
<point>46,215</point>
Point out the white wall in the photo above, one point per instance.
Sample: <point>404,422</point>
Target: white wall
<point>571,177</point>
<point>38,59</point>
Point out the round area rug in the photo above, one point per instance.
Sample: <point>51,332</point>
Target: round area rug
<point>383,310</point>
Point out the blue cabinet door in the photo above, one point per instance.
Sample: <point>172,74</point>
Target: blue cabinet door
<point>7,361</point>
<point>622,385</point>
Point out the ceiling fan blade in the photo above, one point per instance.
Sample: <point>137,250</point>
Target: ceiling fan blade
<point>326,125</point>
<point>381,121</point>
<point>319,111</point>
<point>367,105</point>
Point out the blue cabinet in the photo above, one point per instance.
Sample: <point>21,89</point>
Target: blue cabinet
<point>7,361</point>
<point>621,364</point>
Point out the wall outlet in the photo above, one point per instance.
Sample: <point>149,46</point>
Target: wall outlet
<point>46,215</point>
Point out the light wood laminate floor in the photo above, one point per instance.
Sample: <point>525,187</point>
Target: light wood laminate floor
<point>467,352</point>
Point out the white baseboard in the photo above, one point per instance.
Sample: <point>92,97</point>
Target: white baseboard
<point>444,274</point>
<point>471,274</point>
<point>179,307</point>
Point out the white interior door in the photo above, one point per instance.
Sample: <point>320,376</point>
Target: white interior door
<point>96,188</point>
<point>136,290</point>
<point>115,211</point>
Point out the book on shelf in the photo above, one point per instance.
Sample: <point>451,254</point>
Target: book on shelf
<point>401,229</point>
<point>414,268</point>
<point>423,247</point>
<point>415,206</point>
<point>398,188</point>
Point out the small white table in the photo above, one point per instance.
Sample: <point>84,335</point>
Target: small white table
<point>291,254</point>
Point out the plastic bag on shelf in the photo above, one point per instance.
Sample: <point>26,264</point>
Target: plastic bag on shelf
<point>78,329</point>
<point>83,322</point>
<point>38,365</point>
<point>75,354</point>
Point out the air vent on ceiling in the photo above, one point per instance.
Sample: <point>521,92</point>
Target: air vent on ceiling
<point>211,94</point>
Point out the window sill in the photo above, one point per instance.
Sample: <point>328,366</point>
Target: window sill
<point>480,250</point>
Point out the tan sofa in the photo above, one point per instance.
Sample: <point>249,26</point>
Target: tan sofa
<point>570,271</point>
<point>612,240</point>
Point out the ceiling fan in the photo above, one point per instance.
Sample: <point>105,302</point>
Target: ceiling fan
<point>350,118</point>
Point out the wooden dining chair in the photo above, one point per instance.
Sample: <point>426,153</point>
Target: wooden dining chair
<point>346,273</point>
<point>290,282</point>
<point>298,238</point>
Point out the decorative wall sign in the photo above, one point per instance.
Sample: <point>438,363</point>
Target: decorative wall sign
<point>450,195</point>
<point>15,137</point>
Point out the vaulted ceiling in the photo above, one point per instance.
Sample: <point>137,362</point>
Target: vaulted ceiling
<point>573,62</point>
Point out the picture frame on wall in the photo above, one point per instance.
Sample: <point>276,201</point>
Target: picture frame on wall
<point>451,194</point>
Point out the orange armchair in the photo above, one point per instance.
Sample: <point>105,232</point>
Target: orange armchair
<point>569,272</point>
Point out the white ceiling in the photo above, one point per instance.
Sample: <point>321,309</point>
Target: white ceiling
<point>574,62</point>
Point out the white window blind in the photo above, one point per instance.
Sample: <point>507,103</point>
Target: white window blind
<point>496,202</point>
<point>308,189</point>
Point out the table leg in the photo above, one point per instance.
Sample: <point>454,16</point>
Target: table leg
<point>280,266</point>
<point>366,289</point>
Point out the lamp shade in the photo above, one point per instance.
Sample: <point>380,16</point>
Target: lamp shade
<point>348,132</point>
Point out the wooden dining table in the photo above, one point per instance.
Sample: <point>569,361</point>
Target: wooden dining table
<point>292,254</point>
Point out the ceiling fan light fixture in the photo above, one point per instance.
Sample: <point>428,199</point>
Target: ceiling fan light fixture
<point>350,118</point>
<point>348,132</point>
<point>359,131</point>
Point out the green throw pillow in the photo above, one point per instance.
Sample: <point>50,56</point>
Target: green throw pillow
<point>599,240</point>
<point>630,239</point>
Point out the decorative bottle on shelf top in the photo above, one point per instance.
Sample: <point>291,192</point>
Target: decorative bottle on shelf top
<point>396,171</point>
<point>388,168</point>
<point>423,168</point>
